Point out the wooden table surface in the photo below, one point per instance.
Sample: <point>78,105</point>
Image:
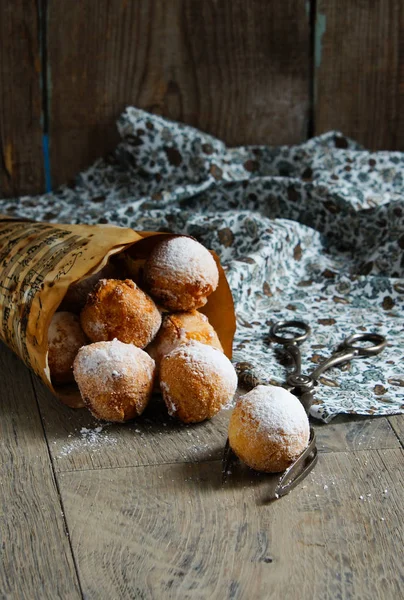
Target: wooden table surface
<point>139,511</point>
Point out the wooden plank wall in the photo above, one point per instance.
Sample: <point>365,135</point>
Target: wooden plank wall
<point>359,70</point>
<point>226,67</point>
<point>248,71</point>
<point>21,162</point>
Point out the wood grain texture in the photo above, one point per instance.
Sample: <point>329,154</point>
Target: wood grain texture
<point>35,555</point>
<point>355,433</point>
<point>155,438</point>
<point>397,423</point>
<point>359,72</point>
<point>21,164</point>
<point>236,68</point>
<point>172,530</point>
<point>176,533</point>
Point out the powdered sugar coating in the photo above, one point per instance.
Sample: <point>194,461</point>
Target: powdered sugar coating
<point>187,259</point>
<point>120,309</point>
<point>196,381</point>
<point>275,410</point>
<point>181,273</point>
<point>115,379</point>
<point>206,360</point>
<point>181,328</point>
<point>171,408</point>
<point>268,428</point>
<point>77,293</point>
<point>107,361</point>
<point>65,337</point>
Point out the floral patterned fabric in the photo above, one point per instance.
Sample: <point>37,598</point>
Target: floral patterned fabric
<point>311,232</point>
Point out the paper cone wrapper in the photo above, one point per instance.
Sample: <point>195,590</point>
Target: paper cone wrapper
<point>38,263</point>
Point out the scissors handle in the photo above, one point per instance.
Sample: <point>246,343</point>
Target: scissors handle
<point>350,349</point>
<point>289,337</point>
<point>335,359</point>
<point>291,340</point>
<point>353,341</point>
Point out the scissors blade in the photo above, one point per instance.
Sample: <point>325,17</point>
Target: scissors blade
<point>298,470</point>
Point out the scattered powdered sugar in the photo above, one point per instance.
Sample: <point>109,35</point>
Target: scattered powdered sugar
<point>185,258</point>
<point>94,439</point>
<point>363,498</point>
<point>276,410</point>
<point>108,360</point>
<point>91,434</point>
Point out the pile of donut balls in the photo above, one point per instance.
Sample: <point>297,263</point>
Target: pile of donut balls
<point>122,340</point>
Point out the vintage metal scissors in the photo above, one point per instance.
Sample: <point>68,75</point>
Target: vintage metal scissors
<point>303,386</point>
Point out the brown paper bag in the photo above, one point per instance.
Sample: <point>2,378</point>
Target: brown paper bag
<point>38,263</point>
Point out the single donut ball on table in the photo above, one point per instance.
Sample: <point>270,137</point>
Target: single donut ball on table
<point>268,429</point>
<point>115,379</point>
<point>181,274</point>
<point>196,381</point>
<point>65,338</point>
<point>180,328</point>
<point>119,309</point>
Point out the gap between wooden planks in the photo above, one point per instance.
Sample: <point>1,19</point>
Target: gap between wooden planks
<point>36,560</point>
<point>236,540</point>
<point>154,438</point>
<point>172,531</point>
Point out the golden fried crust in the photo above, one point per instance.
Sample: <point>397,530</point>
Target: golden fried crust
<point>77,294</point>
<point>196,382</point>
<point>121,310</point>
<point>115,379</point>
<point>270,446</point>
<point>261,454</point>
<point>181,274</point>
<point>180,328</point>
<point>65,338</point>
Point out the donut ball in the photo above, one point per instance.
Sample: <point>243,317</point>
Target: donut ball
<point>115,379</point>
<point>196,381</point>
<point>119,309</point>
<point>268,429</point>
<point>180,328</point>
<point>181,273</point>
<point>65,338</point>
<point>77,293</point>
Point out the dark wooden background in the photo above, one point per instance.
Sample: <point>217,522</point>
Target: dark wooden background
<point>248,71</point>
